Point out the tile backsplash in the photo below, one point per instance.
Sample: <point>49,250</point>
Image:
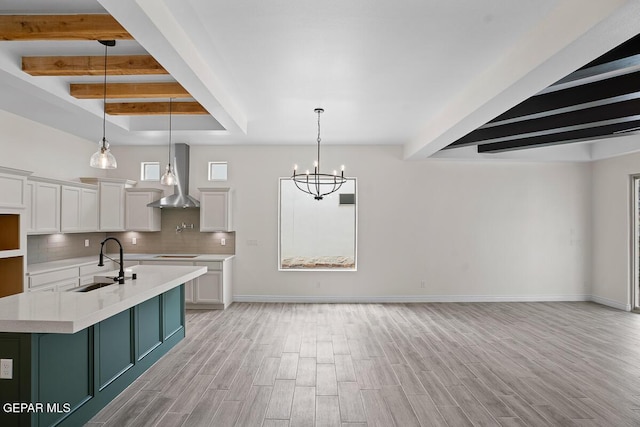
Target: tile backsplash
<point>189,240</point>
<point>53,247</point>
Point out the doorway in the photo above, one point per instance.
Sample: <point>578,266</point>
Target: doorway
<point>635,243</point>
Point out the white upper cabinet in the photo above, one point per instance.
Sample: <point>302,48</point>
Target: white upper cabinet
<point>30,201</point>
<point>79,211</point>
<point>215,209</point>
<point>43,206</point>
<point>89,209</point>
<point>138,216</point>
<point>70,211</point>
<point>111,204</point>
<point>12,191</point>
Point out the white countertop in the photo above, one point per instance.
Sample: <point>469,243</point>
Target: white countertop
<point>68,312</point>
<point>175,257</point>
<point>46,267</point>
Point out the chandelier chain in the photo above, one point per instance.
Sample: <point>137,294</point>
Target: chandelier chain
<point>318,170</point>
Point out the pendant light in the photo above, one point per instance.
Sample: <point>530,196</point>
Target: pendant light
<point>103,159</point>
<point>169,178</point>
<point>318,184</point>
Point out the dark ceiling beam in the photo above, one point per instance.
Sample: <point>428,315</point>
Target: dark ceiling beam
<point>552,123</point>
<point>597,93</point>
<point>62,27</point>
<point>568,135</point>
<point>629,48</point>
<point>599,72</point>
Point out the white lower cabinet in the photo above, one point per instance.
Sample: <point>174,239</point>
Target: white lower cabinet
<point>67,278</point>
<point>54,281</point>
<point>207,289</point>
<point>212,290</point>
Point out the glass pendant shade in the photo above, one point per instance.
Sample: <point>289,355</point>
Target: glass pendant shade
<point>103,159</point>
<point>168,178</point>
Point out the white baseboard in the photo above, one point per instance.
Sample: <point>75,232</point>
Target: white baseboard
<point>611,303</point>
<point>407,298</point>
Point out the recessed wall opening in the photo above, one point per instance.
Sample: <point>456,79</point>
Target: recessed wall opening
<point>11,273</point>
<point>10,236</point>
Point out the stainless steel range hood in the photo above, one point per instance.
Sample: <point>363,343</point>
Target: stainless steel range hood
<point>180,198</point>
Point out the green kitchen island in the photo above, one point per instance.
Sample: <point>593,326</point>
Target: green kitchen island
<point>68,354</point>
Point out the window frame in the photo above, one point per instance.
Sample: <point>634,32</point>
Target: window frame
<point>210,174</point>
<point>143,175</point>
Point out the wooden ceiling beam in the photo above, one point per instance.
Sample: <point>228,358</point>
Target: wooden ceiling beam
<point>153,108</point>
<point>117,65</point>
<point>129,90</point>
<point>61,27</point>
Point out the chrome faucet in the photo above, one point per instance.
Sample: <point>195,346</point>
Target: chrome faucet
<point>183,226</point>
<point>120,278</point>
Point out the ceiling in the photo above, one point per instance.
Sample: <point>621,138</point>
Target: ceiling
<point>418,74</point>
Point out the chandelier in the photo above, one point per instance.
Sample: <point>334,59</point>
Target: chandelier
<point>318,184</point>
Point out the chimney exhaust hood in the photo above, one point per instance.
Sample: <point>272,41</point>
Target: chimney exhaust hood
<point>180,198</point>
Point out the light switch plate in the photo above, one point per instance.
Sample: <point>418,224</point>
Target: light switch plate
<point>6,369</point>
<point>223,242</point>
<point>86,243</point>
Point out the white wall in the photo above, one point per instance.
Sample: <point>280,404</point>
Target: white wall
<point>611,268</point>
<point>467,229</point>
<point>47,152</point>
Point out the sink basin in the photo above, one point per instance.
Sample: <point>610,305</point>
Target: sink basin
<point>92,287</point>
<point>176,256</point>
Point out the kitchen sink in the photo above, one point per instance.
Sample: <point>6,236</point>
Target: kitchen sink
<point>92,287</point>
<point>176,256</point>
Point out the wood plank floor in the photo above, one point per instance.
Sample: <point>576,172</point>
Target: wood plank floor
<point>466,364</point>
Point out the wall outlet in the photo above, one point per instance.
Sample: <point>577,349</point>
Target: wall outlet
<point>6,369</point>
<point>423,284</point>
<point>317,284</point>
<point>134,241</point>
<point>86,243</point>
<point>223,242</point>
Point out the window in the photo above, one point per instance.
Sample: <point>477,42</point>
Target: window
<point>150,171</point>
<point>217,171</point>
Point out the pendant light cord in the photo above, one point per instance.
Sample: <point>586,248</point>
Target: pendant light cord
<point>104,100</point>
<point>169,132</point>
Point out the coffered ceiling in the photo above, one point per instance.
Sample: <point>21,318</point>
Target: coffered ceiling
<point>419,74</point>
